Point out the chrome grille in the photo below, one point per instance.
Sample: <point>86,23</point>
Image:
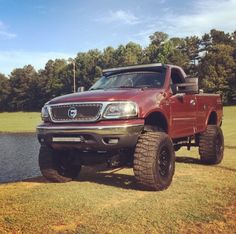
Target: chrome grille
<point>85,112</point>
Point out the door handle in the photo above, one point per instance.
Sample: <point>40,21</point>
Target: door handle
<point>192,102</point>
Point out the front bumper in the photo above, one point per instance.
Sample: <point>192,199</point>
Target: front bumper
<point>103,136</point>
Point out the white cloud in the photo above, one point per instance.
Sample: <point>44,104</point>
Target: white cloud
<point>10,60</point>
<point>4,33</point>
<point>119,16</point>
<point>207,15</point>
<point>203,16</point>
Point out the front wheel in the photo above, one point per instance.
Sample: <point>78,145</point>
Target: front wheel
<point>57,166</point>
<point>211,145</point>
<point>154,160</point>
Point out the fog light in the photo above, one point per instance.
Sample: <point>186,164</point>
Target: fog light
<point>111,141</point>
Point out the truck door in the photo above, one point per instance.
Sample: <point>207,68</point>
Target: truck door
<point>182,109</point>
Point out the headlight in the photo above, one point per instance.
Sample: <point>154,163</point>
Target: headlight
<point>45,113</point>
<point>121,110</point>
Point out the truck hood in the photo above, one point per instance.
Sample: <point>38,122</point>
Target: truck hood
<point>98,95</point>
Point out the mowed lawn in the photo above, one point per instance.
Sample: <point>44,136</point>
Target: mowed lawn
<point>19,121</point>
<point>201,199</point>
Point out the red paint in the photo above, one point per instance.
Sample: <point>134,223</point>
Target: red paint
<point>183,118</point>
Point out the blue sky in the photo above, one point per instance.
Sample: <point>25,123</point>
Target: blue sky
<point>32,32</point>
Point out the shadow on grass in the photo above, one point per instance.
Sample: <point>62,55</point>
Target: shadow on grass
<point>112,178</point>
<point>189,160</point>
<point>99,175</point>
<point>186,159</point>
<point>230,147</point>
<point>225,168</point>
<point>38,179</point>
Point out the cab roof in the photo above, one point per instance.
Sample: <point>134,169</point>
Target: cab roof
<point>153,67</point>
<point>147,67</point>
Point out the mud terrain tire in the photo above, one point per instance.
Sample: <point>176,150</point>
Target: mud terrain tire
<point>211,145</point>
<point>154,161</point>
<point>57,166</point>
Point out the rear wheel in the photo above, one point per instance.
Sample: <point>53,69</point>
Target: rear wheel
<point>57,166</point>
<point>154,160</point>
<point>211,145</point>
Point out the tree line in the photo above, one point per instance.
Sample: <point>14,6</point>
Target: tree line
<point>211,57</point>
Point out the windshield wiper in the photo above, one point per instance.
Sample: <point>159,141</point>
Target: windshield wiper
<point>144,86</point>
<point>96,88</point>
<point>121,87</point>
<point>126,86</point>
<point>135,87</point>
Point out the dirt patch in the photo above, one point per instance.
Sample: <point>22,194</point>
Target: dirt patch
<point>30,185</point>
<point>59,228</point>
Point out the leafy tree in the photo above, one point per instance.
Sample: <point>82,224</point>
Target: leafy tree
<point>108,57</point>
<point>205,43</point>
<point>53,79</point>
<point>120,55</point>
<point>24,89</point>
<point>88,67</point>
<point>4,92</point>
<point>215,37</point>
<point>152,52</point>
<point>165,50</point>
<point>192,52</point>
<point>133,53</point>
<point>220,37</point>
<point>157,38</point>
<point>217,72</point>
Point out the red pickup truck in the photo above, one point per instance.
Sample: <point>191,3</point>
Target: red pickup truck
<point>141,113</point>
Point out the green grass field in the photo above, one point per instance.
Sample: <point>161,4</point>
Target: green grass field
<point>201,199</point>
<point>19,121</point>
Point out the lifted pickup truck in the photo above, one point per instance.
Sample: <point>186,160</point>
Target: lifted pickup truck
<point>142,113</point>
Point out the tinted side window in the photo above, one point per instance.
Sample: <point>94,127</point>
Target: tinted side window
<point>176,77</point>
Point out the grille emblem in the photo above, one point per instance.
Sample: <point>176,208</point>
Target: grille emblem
<point>72,112</point>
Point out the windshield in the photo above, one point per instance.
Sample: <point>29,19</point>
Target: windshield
<point>130,80</point>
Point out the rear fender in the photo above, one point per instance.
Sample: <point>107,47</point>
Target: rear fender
<point>212,117</point>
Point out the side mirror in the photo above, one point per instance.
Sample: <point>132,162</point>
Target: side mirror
<point>190,86</point>
<point>81,89</point>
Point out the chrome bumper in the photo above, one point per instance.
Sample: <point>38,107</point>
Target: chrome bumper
<point>102,130</point>
<point>89,137</point>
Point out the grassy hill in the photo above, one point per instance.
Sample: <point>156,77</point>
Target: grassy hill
<point>201,199</point>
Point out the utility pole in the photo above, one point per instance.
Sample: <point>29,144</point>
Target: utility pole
<point>72,61</point>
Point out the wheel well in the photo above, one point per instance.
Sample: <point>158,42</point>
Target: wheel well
<point>158,120</point>
<point>212,120</point>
